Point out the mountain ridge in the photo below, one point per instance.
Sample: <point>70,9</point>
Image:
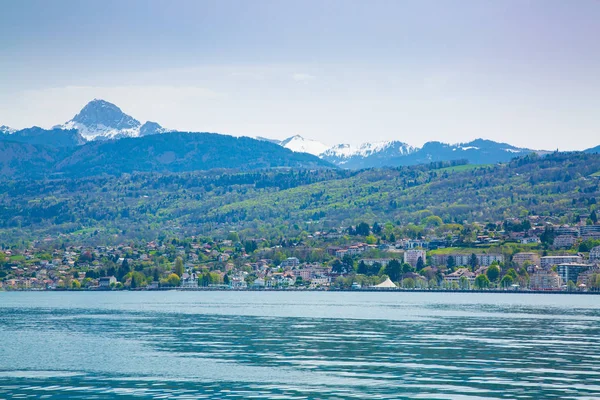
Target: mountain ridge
<point>100,120</point>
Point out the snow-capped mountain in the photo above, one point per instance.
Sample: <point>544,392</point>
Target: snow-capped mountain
<point>395,153</point>
<point>100,119</point>
<point>367,155</point>
<point>368,149</point>
<point>299,144</point>
<point>6,130</point>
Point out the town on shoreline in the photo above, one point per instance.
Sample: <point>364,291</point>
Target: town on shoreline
<point>530,254</point>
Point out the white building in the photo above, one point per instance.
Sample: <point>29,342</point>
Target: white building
<point>564,241</point>
<point>595,254</point>
<point>545,280</point>
<point>521,258</point>
<point>550,261</point>
<point>412,257</point>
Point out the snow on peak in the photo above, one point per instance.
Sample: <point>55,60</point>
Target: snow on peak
<point>368,149</point>
<point>100,119</point>
<point>6,130</point>
<point>299,144</point>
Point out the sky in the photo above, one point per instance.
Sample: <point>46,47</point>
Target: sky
<point>522,72</point>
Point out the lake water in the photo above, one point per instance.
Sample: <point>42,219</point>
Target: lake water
<point>313,345</point>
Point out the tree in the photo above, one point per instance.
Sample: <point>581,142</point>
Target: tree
<point>363,229</point>
<point>250,246</point>
<point>512,273</point>
<point>179,267</point>
<point>206,279</point>
<point>482,282</point>
<point>376,228</point>
<point>371,239</point>
<point>363,268</point>
<point>451,263</point>
<point>594,217</point>
<point>473,261</point>
<point>463,283</point>
<point>571,286</point>
<point>420,264</point>
<point>406,268</point>
<point>173,280</point>
<point>226,279</point>
<point>233,236</point>
<point>392,238</point>
<point>493,272</point>
<point>408,283</point>
<point>507,281</point>
<point>123,270</point>
<point>348,262</point>
<point>394,270</point>
<point>337,267</point>
<point>75,284</point>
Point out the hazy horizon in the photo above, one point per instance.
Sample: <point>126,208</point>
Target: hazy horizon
<point>519,72</point>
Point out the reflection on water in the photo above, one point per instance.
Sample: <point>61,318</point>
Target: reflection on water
<point>215,345</point>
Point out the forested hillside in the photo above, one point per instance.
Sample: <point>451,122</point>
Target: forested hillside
<point>25,154</point>
<point>282,202</point>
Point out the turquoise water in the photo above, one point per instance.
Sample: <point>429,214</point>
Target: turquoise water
<point>278,345</point>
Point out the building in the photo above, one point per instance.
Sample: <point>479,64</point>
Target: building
<point>589,230</point>
<point>465,259</point>
<point>586,276</point>
<point>521,258</point>
<point>381,261</point>
<point>291,262</point>
<point>530,240</point>
<point>548,262</point>
<point>567,230</point>
<point>189,279</point>
<point>105,282</point>
<point>595,254</point>
<point>489,259</point>
<point>459,273</point>
<point>564,241</point>
<point>570,272</point>
<point>545,280</point>
<point>412,257</point>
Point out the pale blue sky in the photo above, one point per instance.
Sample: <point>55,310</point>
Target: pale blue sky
<point>524,72</point>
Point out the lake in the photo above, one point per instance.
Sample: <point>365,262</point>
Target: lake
<point>312,345</point>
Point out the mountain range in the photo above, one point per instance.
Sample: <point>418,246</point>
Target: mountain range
<point>101,138</point>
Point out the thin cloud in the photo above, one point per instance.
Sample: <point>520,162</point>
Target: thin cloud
<point>302,77</point>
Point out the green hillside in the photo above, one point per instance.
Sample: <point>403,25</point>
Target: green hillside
<point>280,202</point>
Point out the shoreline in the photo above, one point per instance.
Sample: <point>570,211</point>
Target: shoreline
<point>556,292</point>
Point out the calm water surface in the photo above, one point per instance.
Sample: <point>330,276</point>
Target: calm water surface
<point>278,345</point>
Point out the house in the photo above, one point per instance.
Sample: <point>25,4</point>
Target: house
<point>105,282</point>
<point>459,273</point>
<point>189,279</point>
<point>258,283</point>
<point>530,240</point>
<point>319,281</point>
<point>291,262</point>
